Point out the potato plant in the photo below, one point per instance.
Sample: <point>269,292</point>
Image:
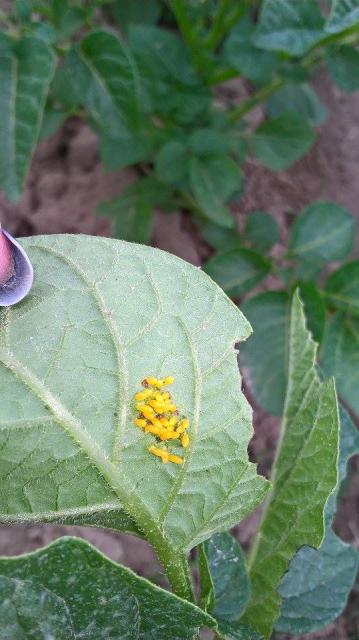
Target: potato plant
<point>113,333</point>
<point>121,402</point>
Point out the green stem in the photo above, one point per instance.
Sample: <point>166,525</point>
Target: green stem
<point>225,20</point>
<point>256,99</point>
<point>188,33</point>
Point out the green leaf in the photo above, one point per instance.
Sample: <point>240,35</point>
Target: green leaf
<point>135,12</point>
<point>237,270</point>
<point>304,476</point>
<point>203,142</point>
<point>279,142</point>
<point>133,217</point>
<point>315,589</point>
<point>340,356</point>
<point>343,67</point>
<point>29,611</point>
<point>342,288</point>
<point>26,69</point>
<point>172,87</point>
<point>299,99</point>
<point>265,353</point>
<point>314,308</point>
<point>218,237</point>
<point>106,82</point>
<point>262,230</point>
<point>126,149</point>
<point>213,180</point>
<point>171,163</point>
<point>227,566</point>
<point>206,600</point>
<point>168,59</point>
<point>241,54</point>
<point>289,26</point>
<point>52,121</point>
<point>343,14</point>
<point>61,87</point>
<point>104,599</point>
<point>128,311</point>
<point>238,631</point>
<point>322,232</point>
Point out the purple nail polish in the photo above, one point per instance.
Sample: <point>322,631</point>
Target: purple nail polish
<point>16,272</point>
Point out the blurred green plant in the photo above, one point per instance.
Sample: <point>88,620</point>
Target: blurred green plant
<point>145,78</point>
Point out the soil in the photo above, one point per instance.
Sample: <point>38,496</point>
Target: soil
<point>65,184</point>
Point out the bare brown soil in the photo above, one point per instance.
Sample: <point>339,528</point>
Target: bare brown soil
<point>65,184</point>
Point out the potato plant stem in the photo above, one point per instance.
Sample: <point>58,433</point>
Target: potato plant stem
<point>224,20</point>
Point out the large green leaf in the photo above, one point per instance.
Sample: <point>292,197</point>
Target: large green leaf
<point>279,142</point>
<point>340,356</point>
<point>250,61</point>
<point>289,26</point>
<point>262,230</point>
<point>314,308</point>
<point>299,99</point>
<point>304,475</point>
<point>343,14</point>
<point>31,612</point>
<point>225,585</point>
<point>315,589</point>
<point>237,270</point>
<point>227,567</point>
<point>342,287</point>
<point>106,81</point>
<point>172,162</point>
<point>213,180</point>
<point>132,214</point>
<point>26,70</point>
<point>135,12</point>
<point>322,232</point>
<point>103,600</point>
<point>265,353</point>
<point>218,237</point>
<point>343,67</point>
<point>126,311</point>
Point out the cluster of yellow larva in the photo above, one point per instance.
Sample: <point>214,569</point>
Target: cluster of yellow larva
<point>158,415</point>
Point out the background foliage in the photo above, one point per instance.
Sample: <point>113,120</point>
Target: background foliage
<point>145,77</point>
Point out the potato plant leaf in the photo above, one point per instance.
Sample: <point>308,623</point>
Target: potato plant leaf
<point>106,81</point>
<point>213,181</point>
<point>289,26</point>
<point>342,288</point>
<point>26,69</point>
<point>315,589</point>
<point>305,473</point>
<point>227,568</point>
<point>343,67</point>
<point>69,447</point>
<point>322,232</point>
<point>314,308</point>
<point>261,230</point>
<point>96,598</point>
<point>281,141</point>
<point>297,98</point>
<point>31,612</point>
<point>343,14</point>
<point>339,356</point>
<point>266,352</point>
<point>237,270</point>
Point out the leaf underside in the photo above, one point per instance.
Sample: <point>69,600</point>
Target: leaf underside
<point>102,315</point>
<point>305,474</point>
